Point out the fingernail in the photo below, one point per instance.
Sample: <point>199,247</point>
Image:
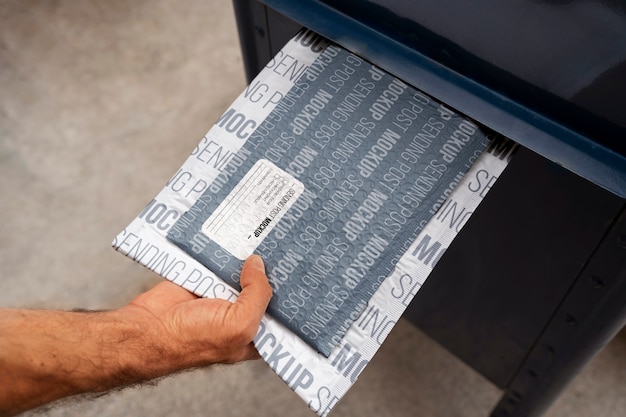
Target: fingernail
<point>256,262</point>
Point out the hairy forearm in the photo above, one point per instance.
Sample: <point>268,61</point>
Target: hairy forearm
<point>46,355</point>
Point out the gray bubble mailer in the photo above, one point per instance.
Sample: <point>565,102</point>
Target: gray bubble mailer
<point>331,189</point>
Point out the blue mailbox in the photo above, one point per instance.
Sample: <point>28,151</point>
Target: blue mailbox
<point>535,283</point>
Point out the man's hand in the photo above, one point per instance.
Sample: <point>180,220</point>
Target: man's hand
<point>47,355</point>
<point>201,331</point>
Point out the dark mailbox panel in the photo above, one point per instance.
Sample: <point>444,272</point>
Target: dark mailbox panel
<point>535,283</point>
<point>503,277</point>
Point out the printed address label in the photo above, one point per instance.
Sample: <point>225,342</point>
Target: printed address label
<point>252,209</point>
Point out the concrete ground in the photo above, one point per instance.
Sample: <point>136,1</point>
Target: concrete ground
<point>100,103</point>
